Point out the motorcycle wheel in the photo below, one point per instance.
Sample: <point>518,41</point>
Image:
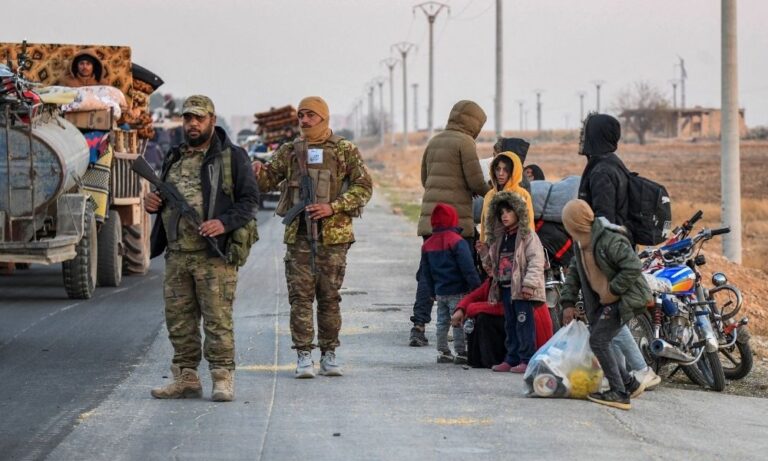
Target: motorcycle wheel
<point>707,372</point>
<point>736,360</point>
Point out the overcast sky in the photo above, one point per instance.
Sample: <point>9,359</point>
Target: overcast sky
<point>249,55</point>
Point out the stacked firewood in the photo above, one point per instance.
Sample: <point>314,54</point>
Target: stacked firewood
<point>277,125</point>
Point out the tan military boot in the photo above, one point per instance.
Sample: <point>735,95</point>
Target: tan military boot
<point>185,385</point>
<point>223,385</point>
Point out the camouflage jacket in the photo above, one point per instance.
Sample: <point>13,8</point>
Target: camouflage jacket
<point>343,160</point>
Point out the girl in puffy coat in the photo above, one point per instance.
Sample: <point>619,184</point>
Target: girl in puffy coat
<point>516,257</point>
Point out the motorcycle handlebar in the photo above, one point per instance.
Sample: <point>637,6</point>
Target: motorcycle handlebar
<point>696,216</point>
<point>722,230</point>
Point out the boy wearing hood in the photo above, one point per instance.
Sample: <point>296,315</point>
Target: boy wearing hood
<point>448,272</point>
<point>608,272</point>
<point>86,70</point>
<point>516,256</point>
<point>605,188</point>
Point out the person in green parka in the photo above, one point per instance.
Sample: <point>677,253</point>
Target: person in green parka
<point>608,272</point>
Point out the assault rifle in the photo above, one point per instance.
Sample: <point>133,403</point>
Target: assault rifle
<point>173,198</point>
<point>306,197</point>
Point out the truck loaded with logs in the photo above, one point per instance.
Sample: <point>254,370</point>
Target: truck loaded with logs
<point>275,127</point>
<point>67,142</point>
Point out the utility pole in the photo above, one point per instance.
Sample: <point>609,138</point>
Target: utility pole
<point>538,109</point>
<point>520,103</point>
<point>415,87</point>
<point>730,178</point>
<point>598,84</point>
<point>380,82</point>
<point>404,48</point>
<point>498,108</point>
<point>391,63</point>
<point>674,93</point>
<point>581,105</point>
<point>526,119</point>
<point>431,10</point>
<point>683,76</point>
<point>370,126</point>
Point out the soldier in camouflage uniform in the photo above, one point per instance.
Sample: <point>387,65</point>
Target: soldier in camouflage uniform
<point>342,187</point>
<point>198,282</point>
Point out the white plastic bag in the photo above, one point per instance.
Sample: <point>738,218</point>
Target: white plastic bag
<point>565,366</point>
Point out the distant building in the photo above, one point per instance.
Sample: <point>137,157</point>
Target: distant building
<point>695,122</point>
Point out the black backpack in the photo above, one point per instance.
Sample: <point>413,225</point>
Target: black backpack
<point>649,210</point>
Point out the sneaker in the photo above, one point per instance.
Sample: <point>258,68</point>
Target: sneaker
<point>634,388</point>
<point>460,359</point>
<point>648,378</point>
<point>305,367</point>
<point>328,365</point>
<point>444,357</point>
<point>418,338</point>
<point>503,367</point>
<point>611,399</point>
<point>520,368</point>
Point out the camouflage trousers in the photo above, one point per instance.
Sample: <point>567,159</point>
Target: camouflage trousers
<point>199,286</point>
<point>304,287</point>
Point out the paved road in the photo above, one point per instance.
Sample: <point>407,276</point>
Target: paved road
<point>395,402</point>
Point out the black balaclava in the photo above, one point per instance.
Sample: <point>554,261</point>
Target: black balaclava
<point>600,134</point>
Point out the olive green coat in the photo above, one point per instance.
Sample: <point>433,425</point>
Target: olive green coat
<point>619,262</point>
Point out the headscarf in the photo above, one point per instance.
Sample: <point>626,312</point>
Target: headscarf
<point>600,134</point>
<point>577,219</point>
<point>538,173</point>
<point>319,133</point>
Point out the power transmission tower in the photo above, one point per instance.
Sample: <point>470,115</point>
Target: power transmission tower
<point>415,87</point>
<point>538,109</point>
<point>431,10</point>
<point>598,84</point>
<point>683,76</point>
<point>499,101</point>
<point>730,179</point>
<point>520,103</point>
<point>581,95</point>
<point>404,48</point>
<point>370,126</point>
<point>391,63</point>
<point>380,82</point>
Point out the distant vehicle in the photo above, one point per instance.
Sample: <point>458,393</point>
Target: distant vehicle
<point>274,128</point>
<point>65,198</point>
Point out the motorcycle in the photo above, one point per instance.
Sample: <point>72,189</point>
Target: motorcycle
<point>678,329</point>
<point>726,301</point>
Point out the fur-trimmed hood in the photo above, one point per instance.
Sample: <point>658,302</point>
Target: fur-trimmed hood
<point>517,203</point>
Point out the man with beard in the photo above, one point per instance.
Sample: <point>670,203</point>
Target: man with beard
<point>214,177</point>
<point>342,187</point>
<point>86,70</point>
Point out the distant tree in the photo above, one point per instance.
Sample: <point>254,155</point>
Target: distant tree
<point>643,107</point>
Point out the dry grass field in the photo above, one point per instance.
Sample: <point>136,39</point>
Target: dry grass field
<point>690,171</point>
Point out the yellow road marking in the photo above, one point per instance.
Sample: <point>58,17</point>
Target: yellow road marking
<point>286,367</point>
<point>463,421</point>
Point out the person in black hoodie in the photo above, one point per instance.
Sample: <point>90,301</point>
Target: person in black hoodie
<point>604,182</point>
<point>605,188</point>
<point>215,178</point>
